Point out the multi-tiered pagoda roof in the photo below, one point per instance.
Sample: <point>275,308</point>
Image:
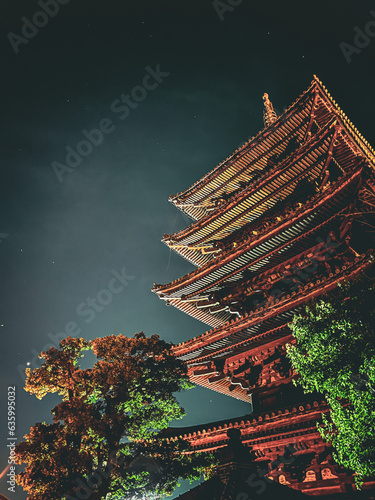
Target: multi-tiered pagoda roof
<point>282,220</point>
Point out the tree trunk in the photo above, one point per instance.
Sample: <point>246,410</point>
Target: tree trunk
<point>103,490</point>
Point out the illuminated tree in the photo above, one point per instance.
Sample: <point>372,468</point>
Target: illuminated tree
<point>335,355</point>
<point>106,439</point>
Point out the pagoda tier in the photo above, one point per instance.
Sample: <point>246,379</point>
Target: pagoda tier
<point>317,164</point>
<point>275,254</point>
<point>288,449</point>
<point>233,359</point>
<point>309,113</point>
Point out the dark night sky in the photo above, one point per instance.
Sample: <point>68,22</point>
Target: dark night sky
<point>60,241</point>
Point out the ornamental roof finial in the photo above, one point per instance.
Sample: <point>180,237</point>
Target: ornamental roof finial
<point>269,115</point>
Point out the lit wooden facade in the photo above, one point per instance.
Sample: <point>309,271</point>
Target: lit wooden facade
<point>288,451</point>
<point>282,220</point>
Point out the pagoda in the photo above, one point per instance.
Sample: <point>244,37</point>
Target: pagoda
<point>282,220</point>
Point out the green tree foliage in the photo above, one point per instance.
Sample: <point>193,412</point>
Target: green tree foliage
<point>335,355</point>
<point>106,440</point>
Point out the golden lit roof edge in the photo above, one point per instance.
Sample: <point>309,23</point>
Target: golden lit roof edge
<point>242,148</point>
<point>356,134</point>
<point>361,140</point>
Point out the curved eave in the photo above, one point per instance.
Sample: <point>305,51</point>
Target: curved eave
<point>228,256</point>
<point>248,348</point>
<point>357,136</point>
<point>213,320</point>
<point>195,200</point>
<point>211,436</point>
<point>241,156</point>
<point>253,202</point>
<point>228,385</point>
<point>223,387</point>
<point>262,314</point>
